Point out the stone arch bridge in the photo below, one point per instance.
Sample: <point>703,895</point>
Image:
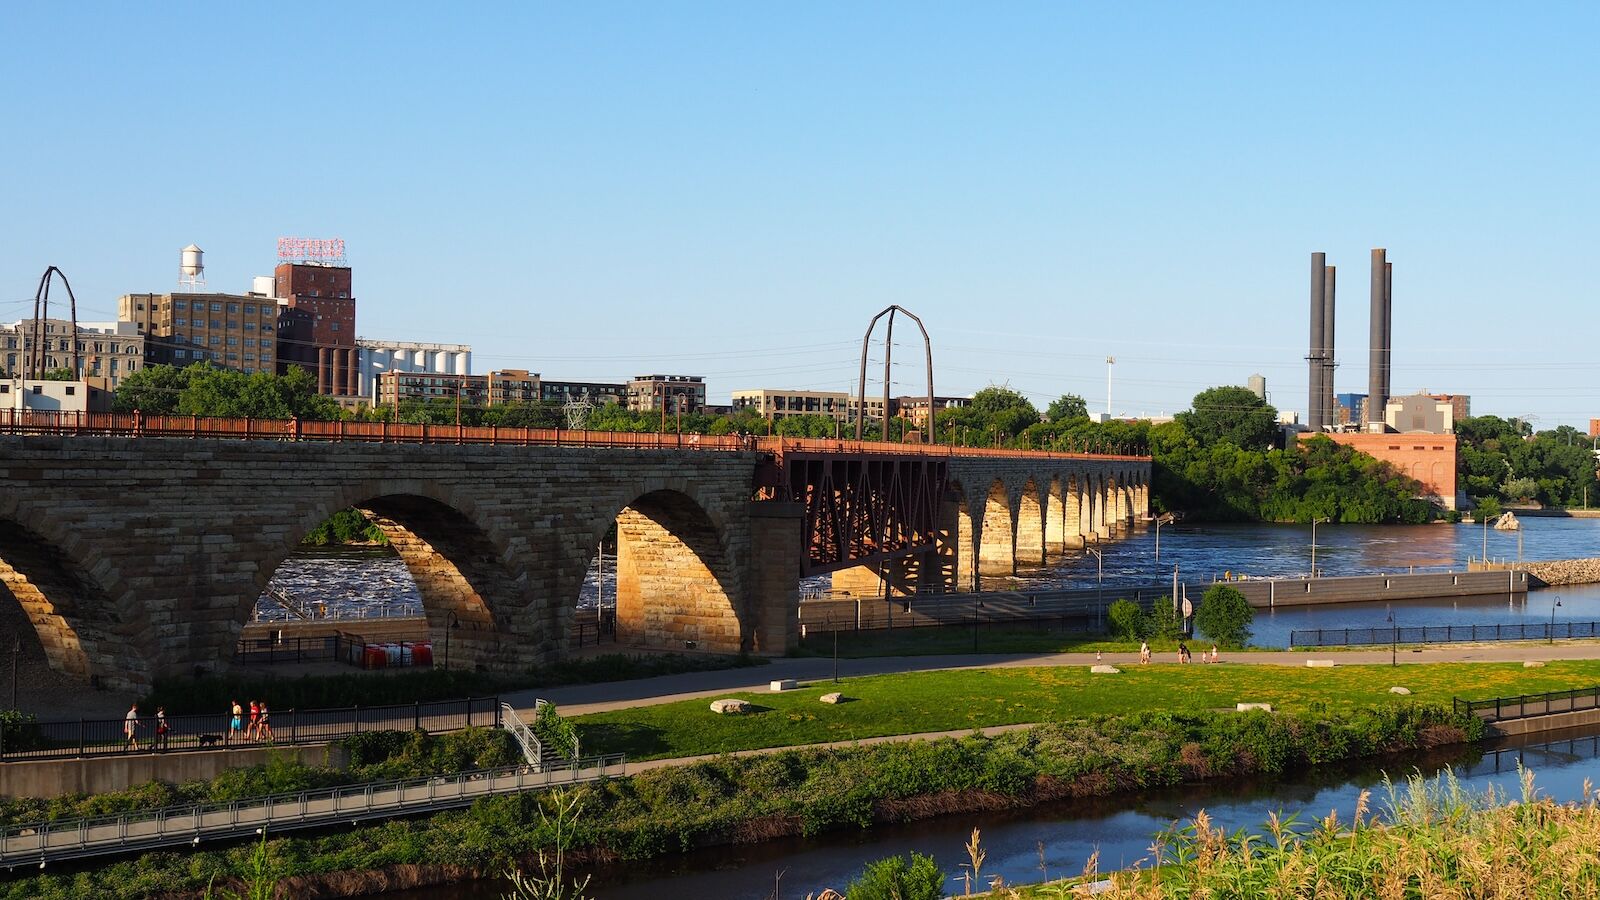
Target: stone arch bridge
<point>136,557</point>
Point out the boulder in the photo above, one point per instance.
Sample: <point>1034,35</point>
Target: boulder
<point>1105,670</point>
<point>1404,692</point>
<point>1247,707</point>
<point>1533,664</point>
<point>834,697</point>
<point>730,707</point>
<point>786,684</point>
<point>1319,664</point>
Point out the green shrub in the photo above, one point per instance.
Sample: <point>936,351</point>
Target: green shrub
<point>1225,616</point>
<point>556,734</point>
<point>19,731</point>
<point>896,878</point>
<point>1127,620</point>
<point>1163,622</point>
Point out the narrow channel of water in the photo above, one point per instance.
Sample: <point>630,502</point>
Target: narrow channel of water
<point>1121,829</point>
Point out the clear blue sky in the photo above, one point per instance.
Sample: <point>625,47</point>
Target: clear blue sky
<point>601,190</point>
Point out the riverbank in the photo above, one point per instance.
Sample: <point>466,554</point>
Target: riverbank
<point>1548,573</point>
<point>802,791</point>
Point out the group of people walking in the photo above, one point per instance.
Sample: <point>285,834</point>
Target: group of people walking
<point>258,727</point>
<point>1184,655</point>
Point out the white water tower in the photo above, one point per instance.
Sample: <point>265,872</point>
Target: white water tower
<point>191,268</point>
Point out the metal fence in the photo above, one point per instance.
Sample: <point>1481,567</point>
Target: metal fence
<point>107,737</point>
<point>188,825</point>
<point>1443,634</point>
<point>1529,705</point>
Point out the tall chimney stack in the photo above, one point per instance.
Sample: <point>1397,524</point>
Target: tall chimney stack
<point>1328,415</point>
<point>1388,330</point>
<point>1315,372</point>
<point>1378,355</point>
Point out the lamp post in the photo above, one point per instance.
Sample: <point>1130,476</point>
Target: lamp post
<point>1099,588</point>
<point>1314,523</point>
<point>1110,361</point>
<point>1553,607</point>
<point>1486,538</point>
<point>451,622</point>
<point>1394,640</point>
<point>1163,519</point>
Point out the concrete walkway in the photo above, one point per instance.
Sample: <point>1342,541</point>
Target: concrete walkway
<point>577,700</point>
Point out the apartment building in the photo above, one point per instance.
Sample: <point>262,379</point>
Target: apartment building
<point>771,403</point>
<point>403,387</point>
<point>513,386</point>
<point>236,331</point>
<point>106,350</point>
<point>677,393</point>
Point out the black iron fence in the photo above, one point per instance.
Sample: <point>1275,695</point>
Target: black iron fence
<point>109,737</point>
<point>1528,705</point>
<point>1443,634</point>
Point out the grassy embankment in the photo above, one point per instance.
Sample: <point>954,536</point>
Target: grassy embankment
<point>963,699</point>
<point>1429,839</point>
<point>997,639</point>
<point>749,799</point>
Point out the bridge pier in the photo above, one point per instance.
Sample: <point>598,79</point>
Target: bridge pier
<point>1031,525</point>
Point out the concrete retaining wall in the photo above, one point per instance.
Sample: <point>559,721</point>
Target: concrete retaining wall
<point>46,778</point>
<point>1359,588</point>
<point>1549,572</point>
<point>1553,722</point>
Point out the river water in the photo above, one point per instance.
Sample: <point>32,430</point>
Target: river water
<point>1120,829</point>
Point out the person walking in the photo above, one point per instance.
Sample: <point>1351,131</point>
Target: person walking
<point>161,728</point>
<point>1183,652</point>
<point>263,726</point>
<point>130,728</point>
<point>236,724</point>
<point>1213,652</point>
<point>1144,653</point>
<point>250,730</point>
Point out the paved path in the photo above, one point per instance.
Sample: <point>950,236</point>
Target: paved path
<point>579,700</point>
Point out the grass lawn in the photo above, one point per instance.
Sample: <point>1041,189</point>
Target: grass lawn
<point>1016,639</point>
<point>959,700</point>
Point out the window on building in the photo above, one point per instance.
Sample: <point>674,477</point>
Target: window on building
<point>266,343</point>
<point>180,304</point>
<point>233,357</point>
<point>176,354</point>
<point>232,324</point>
<point>249,326</point>
<point>216,340</point>
<point>181,323</point>
<point>37,390</point>
<point>249,370</point>
<point>5,388</point>
<point>216,307</point>
<point>72,390</point>
<point>249,342</point>
<point>249,310</point>
<point>233,342</point>
<point>333,326</point>
<point>217,324</point>
<point>249,357</point>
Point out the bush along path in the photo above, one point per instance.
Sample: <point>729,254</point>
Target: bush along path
<point>794,792</point>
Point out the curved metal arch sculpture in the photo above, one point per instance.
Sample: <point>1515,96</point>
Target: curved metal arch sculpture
<point>41,299</point>
<point>888,355</point>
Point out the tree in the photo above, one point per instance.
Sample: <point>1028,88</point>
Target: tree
<point>153,389</point>
<point>60,374</point>
<point>1127,619</point>
<point>1225,616</point>
<point>999,411</point>
<point>1066,408</point>
<point>895,878</point>
<point>1230,415</point>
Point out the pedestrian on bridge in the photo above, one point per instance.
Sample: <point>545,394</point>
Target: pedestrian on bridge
<point>161,728</point>
<point>264,727</point>
<point>236,723</point>
<point>130,728</point>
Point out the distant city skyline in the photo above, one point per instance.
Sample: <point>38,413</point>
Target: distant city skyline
<point>594,192</point>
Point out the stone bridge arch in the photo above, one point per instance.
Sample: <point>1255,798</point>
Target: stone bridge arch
<point>462,565</point>
<point>62,597</point>
<point>679,577</point>
<point>997,545</point>
<point>1032,503</point>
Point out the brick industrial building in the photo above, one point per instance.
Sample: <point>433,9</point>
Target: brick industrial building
<point>238,331</point>
<point>1428,458</point>
<point>317,324</point>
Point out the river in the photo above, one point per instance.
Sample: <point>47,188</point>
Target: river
<point>1120,828</point>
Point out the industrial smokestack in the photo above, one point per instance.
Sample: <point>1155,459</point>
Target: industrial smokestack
<point>1328,292</point>
<point>1388,330</point>
<point>1378,329</point>
<point>1315,372</point>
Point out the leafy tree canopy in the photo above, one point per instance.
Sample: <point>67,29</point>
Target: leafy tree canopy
<point>1230,415</point>
<point>1065,407</point>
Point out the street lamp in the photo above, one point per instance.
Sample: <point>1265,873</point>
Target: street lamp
<point>1553,607</point>
<point>1163,519</point>
<point>1110,361</point>
<point>451,623</point>
<point>1099,585</point>
<point>1314,523</point>
<point>1394,640</point>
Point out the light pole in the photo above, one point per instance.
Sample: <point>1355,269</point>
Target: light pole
<point>1163,519</point>
<point>1110,361</point>
<point>1486,538</point>
<point>1314,523</point>
<point>451,622</point>
<point>1099,587</point>
<point>1394,640</point>
<point>1553,607</point>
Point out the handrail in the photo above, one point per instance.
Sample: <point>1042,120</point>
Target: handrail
<point>532,747</point>
<point>1443,634</point>
<point>190,823</point>
<point>1527,706</point>
<point>140,425</point>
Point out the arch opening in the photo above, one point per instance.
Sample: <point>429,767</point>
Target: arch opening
<point>69,631</point>
<point>999,542</point>
<point>1031,525</point>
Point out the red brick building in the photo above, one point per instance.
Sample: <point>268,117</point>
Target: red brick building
<point>1429,458</point>
<point>317,325</point>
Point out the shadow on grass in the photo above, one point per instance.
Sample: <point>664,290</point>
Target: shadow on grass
<point>636,741</point>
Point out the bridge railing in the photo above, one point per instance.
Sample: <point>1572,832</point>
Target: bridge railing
<point>42,422</point>
<point>189,824</point>
<point>108,737</point>
<point>1526,706</point>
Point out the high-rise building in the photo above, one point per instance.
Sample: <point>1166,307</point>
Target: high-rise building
<point>236,331</point>
<point>318,325</point>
